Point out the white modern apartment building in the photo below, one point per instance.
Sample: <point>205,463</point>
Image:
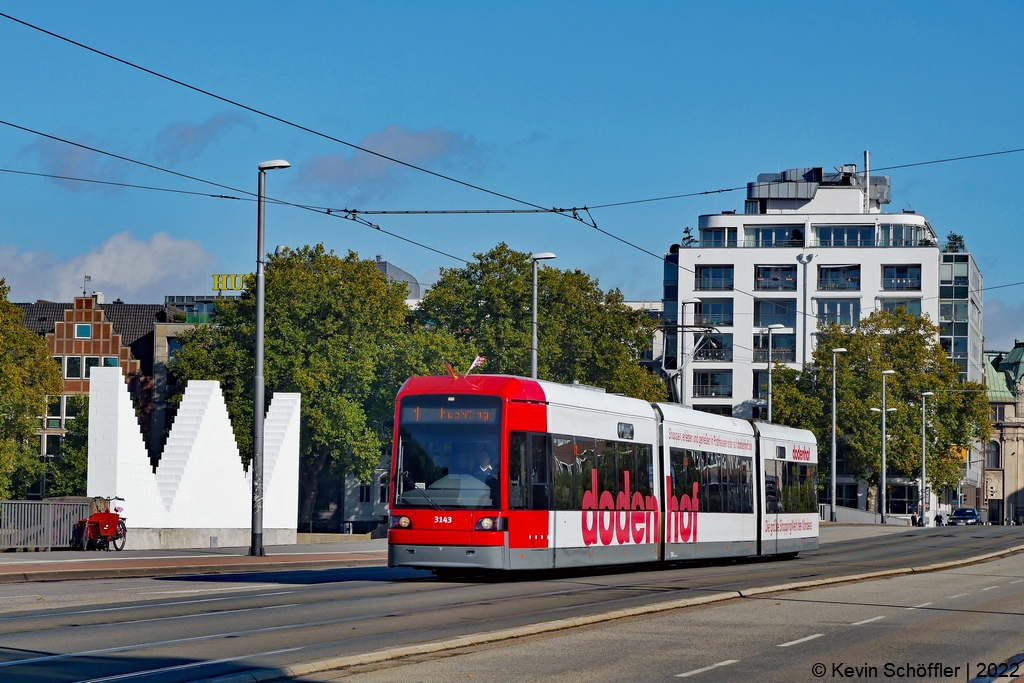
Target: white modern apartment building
<point>809,248</point>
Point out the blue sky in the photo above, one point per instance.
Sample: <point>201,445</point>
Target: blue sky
<point>554,103</point>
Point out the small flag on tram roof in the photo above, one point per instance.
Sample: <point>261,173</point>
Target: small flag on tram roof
<point>477,362</point>
<point>448,365</point>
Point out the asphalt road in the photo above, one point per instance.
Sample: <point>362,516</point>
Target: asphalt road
<point>944,626</point>
<point>184,628</point>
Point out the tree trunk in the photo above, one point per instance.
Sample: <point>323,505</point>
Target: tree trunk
<point>309,481</point>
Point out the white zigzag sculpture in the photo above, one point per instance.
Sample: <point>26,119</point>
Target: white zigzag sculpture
<point>199,483</point>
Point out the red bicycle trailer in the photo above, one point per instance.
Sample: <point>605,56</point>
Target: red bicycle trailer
<point>101,530</point>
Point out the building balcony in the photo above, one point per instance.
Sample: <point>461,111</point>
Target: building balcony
<point>713,319</point>
<point>709,354</point>
<point>775,284</point>
<point>704,391</point>
<point>780,355</point>
<point>901,284</point>
<point>713,284</point>
<point>849,285</point>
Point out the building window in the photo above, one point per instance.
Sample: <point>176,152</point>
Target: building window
<point>712,383</point>
<point>846,495</point>
<point>90,363</point>
<point>954,273</point>
<point>953,312</point>
<point>844,278</point>
<point>718,237</point>
<point>110,361</point>
<point>912,306</point>
<point>775,237</point>
<point>364,493</point>
<point>383,489</point>
<point>992,456</point>
<point>714,312</point>
<point>715,410</point>
<point>53,442</point>
<point>775,278</point>
<point>73,369</point>
<point>713,278</point>
<point>83,331</point>
<point>846,235</point>
<point>901,278</point>
<point>897,235</point>
<point>760,384</point>
<point>772,312</point>
<point>997,413</point>
<point>60,364</point>
<point>838,312</point>
<point>783,348</point>
<point>716,347</point>
<point>902,500</point>
<point>53,412</point>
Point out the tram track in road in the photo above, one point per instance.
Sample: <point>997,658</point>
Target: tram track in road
<point>330,619</point>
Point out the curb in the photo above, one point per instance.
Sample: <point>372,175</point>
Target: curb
<point>180,570</point>
<point>270,674</point>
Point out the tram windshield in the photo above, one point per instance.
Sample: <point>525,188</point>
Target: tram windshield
<point>448,452</point>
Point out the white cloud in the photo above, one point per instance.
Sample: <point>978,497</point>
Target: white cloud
<point>136,271</point>
<point>58,158</point>
<point>1004,323</point>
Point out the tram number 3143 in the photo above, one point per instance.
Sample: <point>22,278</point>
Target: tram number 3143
<point>438,519</point>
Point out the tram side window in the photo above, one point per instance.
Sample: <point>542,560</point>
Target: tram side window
<point>746,473</point>
<point>608,478</point>
<point>567,470</point>
<point>714,478</point>
<point>518,472</point>
<point>772,487</point>
<point>540,484</point>
<point>587,460</point>
<point>642,479</point>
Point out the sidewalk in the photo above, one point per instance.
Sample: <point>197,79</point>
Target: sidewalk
<point>69,564</point>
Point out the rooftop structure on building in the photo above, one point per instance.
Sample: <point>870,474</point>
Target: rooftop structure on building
<point>398,275</point>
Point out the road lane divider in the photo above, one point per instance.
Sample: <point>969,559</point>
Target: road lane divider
<point>866,621</point>
<point>687,674</point>
<point>800,640</point>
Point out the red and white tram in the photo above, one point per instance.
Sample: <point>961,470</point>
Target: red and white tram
<point>498,472</point>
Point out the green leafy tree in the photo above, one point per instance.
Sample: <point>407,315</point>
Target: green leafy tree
<point>339,333</point>
<point>689,239</point>
<point>585,334</point>
<point>68,472</point>
<point>957,414</point>
<point>28,374</point>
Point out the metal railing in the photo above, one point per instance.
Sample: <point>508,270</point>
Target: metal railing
<point>39,524</point>
<point>724,319</point>
<point>780,355</point>
<point>775,284</point>
<point>709,353</point>
<point>704,391</point>
<point>848,284</point>
<point>713,283</point>
<point>897,284</point>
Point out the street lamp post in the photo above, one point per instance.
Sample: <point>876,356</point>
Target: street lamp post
<point>924,485</point>
<point>884,411</point>
<point>684,358</point>
<point>771,328</point>
<point>543,256</point>
<point>256,544</point>
<point>832,516</point>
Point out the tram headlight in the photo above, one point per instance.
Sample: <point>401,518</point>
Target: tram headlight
<point>491,524</point>
<point>400,522</point>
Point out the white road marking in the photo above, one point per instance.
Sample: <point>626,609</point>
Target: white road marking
<point>1017,581</point>
<point>207,590</point>
<point>866,621</point>
<point>923,604</point>
<point>989,588</point>
<point>179,667</point>
<point>15,597</point>
<point>801,640</point>
<point>958,595</point>
<point>706,668</point>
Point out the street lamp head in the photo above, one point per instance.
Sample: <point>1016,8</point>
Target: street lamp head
<point>273,164</point>
<point>875,410</point>
<point>543,256</point>
<point>890,410</point>
<point>690,300</point>
<point>927,393</point>
<point>839,350</point>
<point>776,326</point>
<point>888,372</point>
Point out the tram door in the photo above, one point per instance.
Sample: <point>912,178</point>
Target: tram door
<point>773,471</point>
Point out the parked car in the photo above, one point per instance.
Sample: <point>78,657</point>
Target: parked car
<point>964,516</point>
